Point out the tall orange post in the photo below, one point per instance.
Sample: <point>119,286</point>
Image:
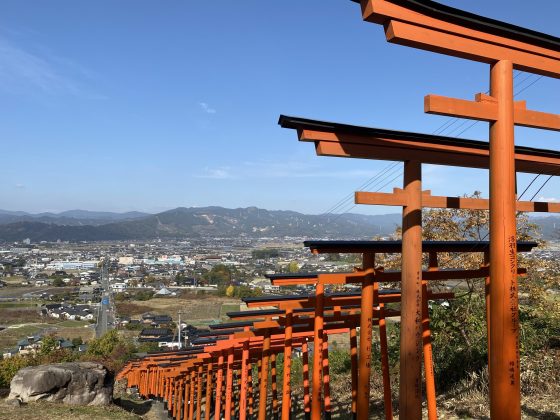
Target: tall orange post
<point>263,385</point>
<point>208,401</point>
<point>286,386</point>
<point>186,399</point>
<point>250,388</point>
<point>354,370</point>
<point>305,372</point>
<point>317,353</point>
<point>410,395</point>
<point>243,385</point>
<point>229,384</point>
<point>170,389</point>
<point>486,263</point>
<point>191,402</point>
<point>219,382</point>
<point>387,396</point>
<point>505,395</point>
<point>258,387</point>
<point>274,386</point>
<point>326,377</point>
<point>178,399</point>
<point>199,392</point>
<point>366,324</point>
<point>427,344</point>
<point>428,359</point>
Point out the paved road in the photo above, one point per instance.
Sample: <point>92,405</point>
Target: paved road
<point>105,317</point>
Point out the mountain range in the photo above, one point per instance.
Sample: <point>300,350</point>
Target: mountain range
<point>80,225</point>
<point>199,222</point>
<point>69,218</point>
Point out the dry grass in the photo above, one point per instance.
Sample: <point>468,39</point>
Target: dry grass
<point>10,336</point>
<point>11,316</point>
<point>13,280</point>
<point>131,309</point>
<point>195,309</point>
<point>54,411</point>
<point>18,292</point>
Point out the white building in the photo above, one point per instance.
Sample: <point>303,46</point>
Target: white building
<point>119,287</point>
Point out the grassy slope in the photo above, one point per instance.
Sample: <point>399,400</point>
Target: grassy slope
<point>53,411</point>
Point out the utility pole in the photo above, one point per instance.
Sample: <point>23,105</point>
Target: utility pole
<point>179,313</point>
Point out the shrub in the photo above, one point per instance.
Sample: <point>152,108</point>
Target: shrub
<point>10,366</point>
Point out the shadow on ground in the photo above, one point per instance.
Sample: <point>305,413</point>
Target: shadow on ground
<point>139,407</point>
<point>535,414</point>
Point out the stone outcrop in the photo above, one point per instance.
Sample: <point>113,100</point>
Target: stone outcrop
<point>81,383</point>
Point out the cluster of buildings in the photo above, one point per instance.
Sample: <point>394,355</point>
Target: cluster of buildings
<point>71,312</point>
<point>32,345</point>
<point>159,266</point>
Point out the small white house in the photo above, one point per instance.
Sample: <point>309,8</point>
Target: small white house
<point>119,287</point>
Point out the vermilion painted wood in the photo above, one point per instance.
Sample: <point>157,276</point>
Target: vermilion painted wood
<point>340,144</point>
<point>397,198</point>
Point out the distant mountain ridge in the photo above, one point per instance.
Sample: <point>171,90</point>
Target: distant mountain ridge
<point>69,217</point>
<point>198,222</point>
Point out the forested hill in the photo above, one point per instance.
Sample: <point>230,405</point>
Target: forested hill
<point>212,222</point>
<point>206,222</point>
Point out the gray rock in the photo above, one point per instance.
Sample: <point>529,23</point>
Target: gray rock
<point>81,383</point>
<point>14,403</point>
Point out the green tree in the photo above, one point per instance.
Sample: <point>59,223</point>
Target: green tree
<point>57,282</point>
<point>220,274</point>
<point>77,341</point>
<point>10,366</point>
<point>293,267</point>
<point>104,345</point>
<point>120,297</point>
<point>48,345</point>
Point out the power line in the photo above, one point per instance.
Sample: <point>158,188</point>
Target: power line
<point>542,186</point>
<point>361,187</point>
<point>439,131</point>
<point>528,186</point>
<point>454,120</point>
<point>528,86</point>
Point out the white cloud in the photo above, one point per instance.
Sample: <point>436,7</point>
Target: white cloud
<point>206,108</point>
<point>20,186</point>
<point>548,199</point>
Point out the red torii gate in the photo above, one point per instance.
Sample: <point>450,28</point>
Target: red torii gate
<point>434,27</point>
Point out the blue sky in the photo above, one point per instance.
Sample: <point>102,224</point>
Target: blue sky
<point>150,105</point>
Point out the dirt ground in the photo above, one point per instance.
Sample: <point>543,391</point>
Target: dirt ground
<point>18,292</point>
<point>195,310</point>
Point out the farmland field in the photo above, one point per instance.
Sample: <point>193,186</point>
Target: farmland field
<point>65,329</point>
<point>196,311</point>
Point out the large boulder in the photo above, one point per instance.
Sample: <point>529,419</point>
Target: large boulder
<point>82,383</point>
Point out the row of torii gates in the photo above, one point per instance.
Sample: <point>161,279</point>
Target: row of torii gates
<point>192,382</point>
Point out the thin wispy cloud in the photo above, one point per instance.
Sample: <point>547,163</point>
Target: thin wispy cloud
<point>295,169</point>
<point>206,108</point>
<point>32,72</point>
<point>20,186</point>
<point>284,170</point>
<point>217,173</point>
